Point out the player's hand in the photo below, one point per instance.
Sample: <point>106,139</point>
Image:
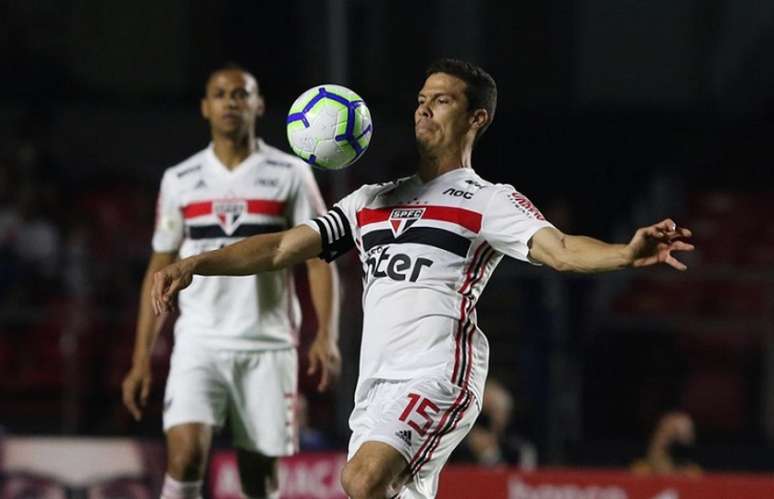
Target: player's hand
<point>324,356</point>
<point>136,389</point>
<point>167,282</point>
<point>655,244</point>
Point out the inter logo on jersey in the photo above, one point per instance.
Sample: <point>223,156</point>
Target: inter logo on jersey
<point>229,213</point>
<point>403,218</point>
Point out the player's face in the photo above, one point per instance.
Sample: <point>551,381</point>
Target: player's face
<point>232,102</point>
<point>442,117</point>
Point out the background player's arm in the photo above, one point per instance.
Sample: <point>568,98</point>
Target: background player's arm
<point>649,246</point>
<point>324,290</point>
<point>137,383</point>
<point>252,255</point>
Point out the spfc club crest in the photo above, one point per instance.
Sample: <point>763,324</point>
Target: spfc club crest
<point>229,213</point>
<point>403,218</point>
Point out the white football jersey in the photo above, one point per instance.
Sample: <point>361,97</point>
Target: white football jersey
<point>427,251</point>
<point>202,206</point>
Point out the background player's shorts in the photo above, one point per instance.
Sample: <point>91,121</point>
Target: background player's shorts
<point>423,419</point>
<point>255,391</point>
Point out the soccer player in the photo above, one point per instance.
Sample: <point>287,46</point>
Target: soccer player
<point>234,357</point>
<point>428,243</point>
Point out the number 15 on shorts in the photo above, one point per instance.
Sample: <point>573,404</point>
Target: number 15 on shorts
<point>418,413</point>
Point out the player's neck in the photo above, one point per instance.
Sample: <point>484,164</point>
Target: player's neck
<point>232,152</point>
<point>434,165</point>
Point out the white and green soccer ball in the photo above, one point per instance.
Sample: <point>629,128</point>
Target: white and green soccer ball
<point>329,126</point>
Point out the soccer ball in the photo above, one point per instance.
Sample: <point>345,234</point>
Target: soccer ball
<point>329,126</point>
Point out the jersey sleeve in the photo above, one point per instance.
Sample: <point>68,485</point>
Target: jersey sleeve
<point>336,228</point>
<point>510,221</point>
<point>306,200</point>
<point>168,231</point>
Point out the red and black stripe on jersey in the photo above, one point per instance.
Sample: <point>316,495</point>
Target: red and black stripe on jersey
<point>254,206</point>
<point>431,236</point>
<point>213,231</point>
<point>337,236</point>
<point>463,337</point>
<point>463,358</point>
<point>446,425</point>
<point>438,237</point>
<point>244,230</point>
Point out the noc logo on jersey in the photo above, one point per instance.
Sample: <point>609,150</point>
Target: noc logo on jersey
<point>229,213</point>
<point>403,218</point>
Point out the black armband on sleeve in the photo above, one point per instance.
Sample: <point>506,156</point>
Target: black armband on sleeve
<point>336,234</point>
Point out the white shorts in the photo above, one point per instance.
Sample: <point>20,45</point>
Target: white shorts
<point>423,419</point>
<point>255,391</point>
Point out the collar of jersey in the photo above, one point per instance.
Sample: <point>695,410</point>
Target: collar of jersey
<point>246,165</point>
<point>446,176</point>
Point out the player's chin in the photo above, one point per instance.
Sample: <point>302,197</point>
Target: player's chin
<point>422,144</point>
<point>422,128</point>
<point>423,137</point>
<point>232,128</point>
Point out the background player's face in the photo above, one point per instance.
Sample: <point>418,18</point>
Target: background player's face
<point>442,117</point>
<point>232,102</point>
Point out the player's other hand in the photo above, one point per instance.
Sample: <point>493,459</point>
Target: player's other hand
<point>136,389</point>
<point>324,357</point>
<point>655,244</point>
<point>167,282</point>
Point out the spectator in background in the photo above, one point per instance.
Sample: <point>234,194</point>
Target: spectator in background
<point>36,239</point>
<point>29,248</point>
<point>669,448</point>
<point>491,442</point>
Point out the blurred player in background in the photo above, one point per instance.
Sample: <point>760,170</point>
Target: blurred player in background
<point>428,244</point>
<point>234,357</point>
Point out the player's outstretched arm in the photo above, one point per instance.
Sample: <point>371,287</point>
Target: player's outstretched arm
<point>249,256</point>
<point>650,245</point>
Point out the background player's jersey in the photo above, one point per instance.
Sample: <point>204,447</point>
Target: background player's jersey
<point>427,251</point>
<point>203,206</point>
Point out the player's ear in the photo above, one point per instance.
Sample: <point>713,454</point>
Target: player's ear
<point>260,107</point>
<point>205,109</point>
<point>479,118</point>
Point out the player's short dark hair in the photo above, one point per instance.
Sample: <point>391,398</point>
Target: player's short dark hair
<point>480,87</point>
<point>231,66</point>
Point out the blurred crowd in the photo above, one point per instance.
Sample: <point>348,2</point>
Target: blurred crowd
<point>72,250</point>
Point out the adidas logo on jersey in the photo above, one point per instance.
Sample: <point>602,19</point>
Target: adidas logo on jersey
<point>404,435</point>
<point>402,218</point>
<point>267,182</point>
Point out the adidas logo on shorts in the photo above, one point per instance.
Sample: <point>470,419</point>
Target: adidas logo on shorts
<point>404,435</point>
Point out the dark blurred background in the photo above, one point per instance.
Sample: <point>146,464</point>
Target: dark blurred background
<point>611,115</point>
